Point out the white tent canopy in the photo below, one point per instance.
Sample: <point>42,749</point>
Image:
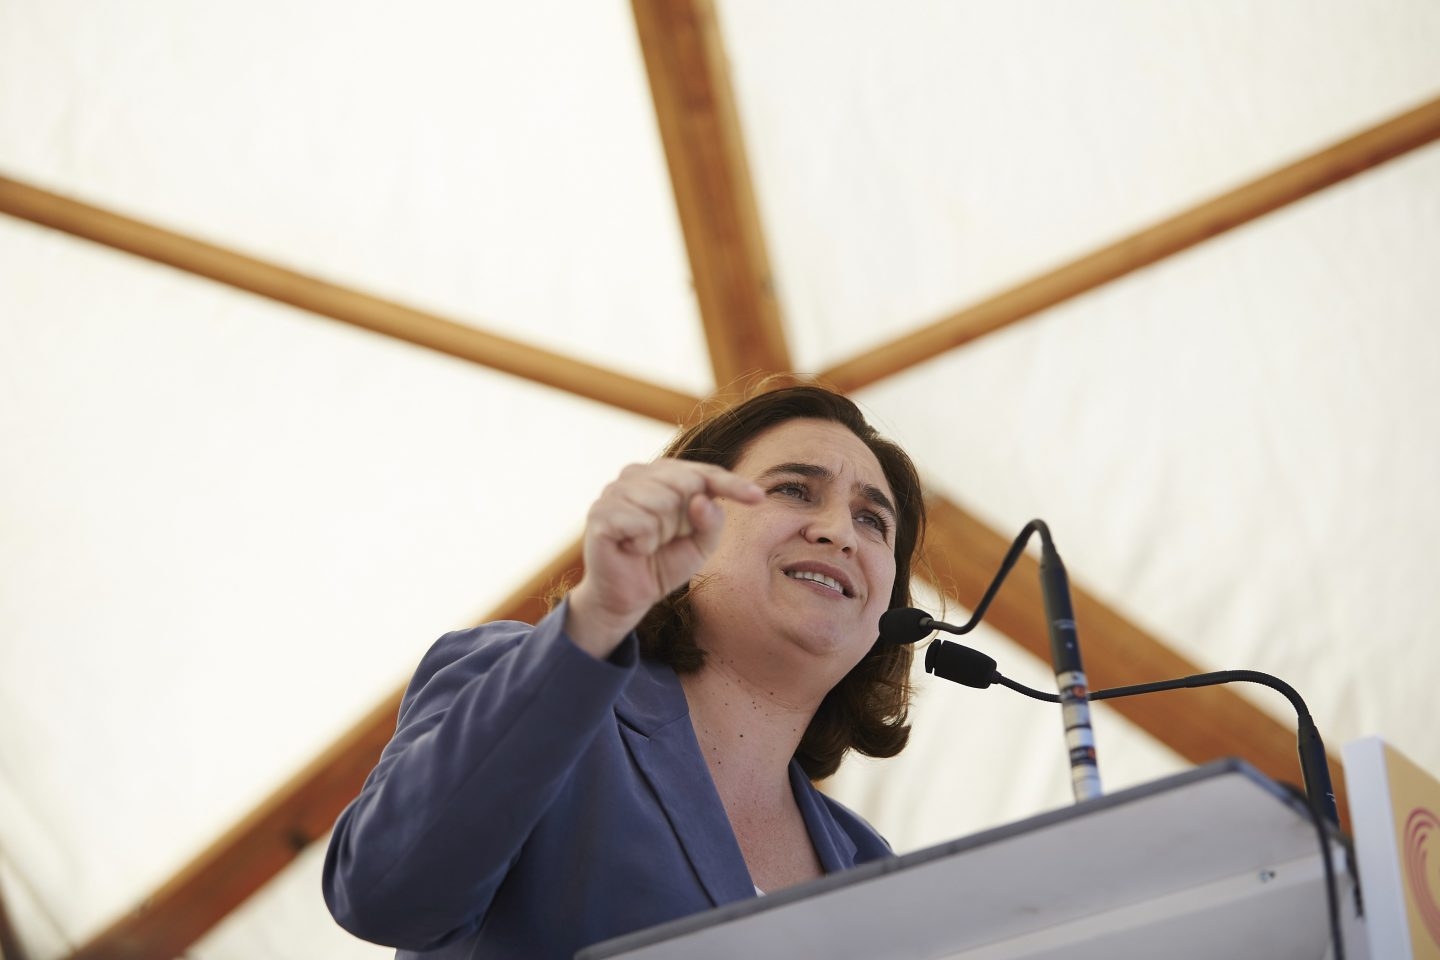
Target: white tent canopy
<point>230,526</point>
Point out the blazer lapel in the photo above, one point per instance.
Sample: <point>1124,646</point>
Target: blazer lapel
<point>656,729</point>
<point>833,845</point>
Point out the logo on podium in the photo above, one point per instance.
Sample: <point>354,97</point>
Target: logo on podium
<point>1397,838</point>
<point>1422,867</point>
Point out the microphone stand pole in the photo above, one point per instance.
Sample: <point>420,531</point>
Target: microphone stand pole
<point>1069,672</point>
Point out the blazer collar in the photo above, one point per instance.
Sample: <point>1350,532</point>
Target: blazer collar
<point>655,724</point>
<point>656,729</point>
<point>833,845</point>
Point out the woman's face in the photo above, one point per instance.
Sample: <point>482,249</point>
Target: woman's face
<point>811,567</point>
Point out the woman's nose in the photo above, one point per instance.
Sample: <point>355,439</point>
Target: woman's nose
<point>832,525</point>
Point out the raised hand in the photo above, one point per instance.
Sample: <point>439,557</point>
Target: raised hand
<point>649,532</point>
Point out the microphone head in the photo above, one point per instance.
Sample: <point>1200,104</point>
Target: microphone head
<point>959,663</point>
<point>905,625</point>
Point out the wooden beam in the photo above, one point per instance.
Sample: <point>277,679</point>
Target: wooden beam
<point>1200,725</point>
<point>1338,162</point>
<point>257,848</point>
<point>695,106</point>
<point>10,946</point>
<point>340,303</point>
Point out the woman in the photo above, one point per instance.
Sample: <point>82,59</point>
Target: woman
<point>646,751</point>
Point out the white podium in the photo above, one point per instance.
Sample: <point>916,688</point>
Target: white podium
<point>1216,862</point>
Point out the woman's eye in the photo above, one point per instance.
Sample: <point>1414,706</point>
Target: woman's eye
<point>791,490</point>
<point>874,520</point>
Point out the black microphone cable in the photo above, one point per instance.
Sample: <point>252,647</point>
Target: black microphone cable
<point>963,665</point>
<point>970,667</point>
<point>973,668</point>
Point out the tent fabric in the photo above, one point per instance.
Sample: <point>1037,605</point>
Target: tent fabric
<point>229,527</point>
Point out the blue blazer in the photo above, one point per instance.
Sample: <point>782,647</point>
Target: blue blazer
<point>535,800</point>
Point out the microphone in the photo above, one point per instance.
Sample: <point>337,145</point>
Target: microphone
<point>972,668</point>
<point>961,664</point>
<point>907,625</point>
<point>901,625</point>
<point>967,666</point>
<point>951,661</point>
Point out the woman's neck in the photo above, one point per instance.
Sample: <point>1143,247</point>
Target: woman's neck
<point>748,733</point>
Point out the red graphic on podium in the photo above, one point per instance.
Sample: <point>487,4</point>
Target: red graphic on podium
<point>1422,839</point>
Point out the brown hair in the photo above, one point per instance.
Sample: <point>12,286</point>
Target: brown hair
<point>866,711</point>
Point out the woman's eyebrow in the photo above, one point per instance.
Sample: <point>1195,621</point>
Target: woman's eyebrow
<point>803,469</point>
<point>869,491</point>
<point>877,496</point>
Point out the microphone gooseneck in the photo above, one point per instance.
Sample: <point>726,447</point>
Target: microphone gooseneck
<point>904,622</point>
<point>1314,765</point>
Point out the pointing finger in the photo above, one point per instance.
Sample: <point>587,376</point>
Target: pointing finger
<point>708,520</point>
<point>720,482</point>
